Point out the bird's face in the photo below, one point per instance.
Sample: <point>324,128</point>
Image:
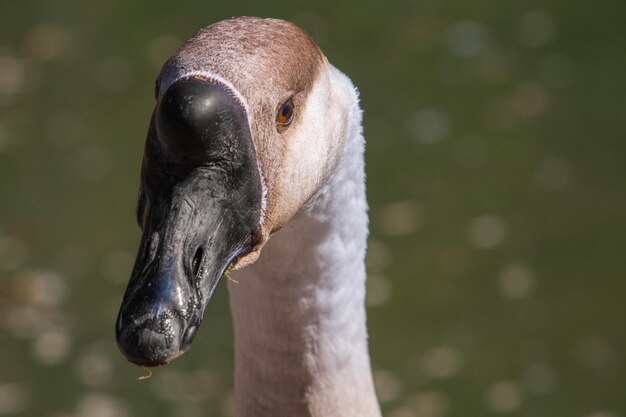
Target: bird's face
<point>240,138</point>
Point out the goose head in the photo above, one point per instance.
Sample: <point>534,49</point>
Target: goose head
<point>248,123</point>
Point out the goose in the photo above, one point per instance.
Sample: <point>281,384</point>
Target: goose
<point>254,162</point>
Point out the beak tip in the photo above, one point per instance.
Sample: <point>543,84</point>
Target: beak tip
<point>145,346</point>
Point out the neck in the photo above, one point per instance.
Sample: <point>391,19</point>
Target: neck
<point>298,312</point>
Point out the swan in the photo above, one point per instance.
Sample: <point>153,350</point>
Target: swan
<point>254,161</point>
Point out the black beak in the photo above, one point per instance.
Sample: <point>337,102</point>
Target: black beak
<point>199,208</point>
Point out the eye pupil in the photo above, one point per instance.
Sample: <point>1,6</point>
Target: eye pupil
<point>284,116</point>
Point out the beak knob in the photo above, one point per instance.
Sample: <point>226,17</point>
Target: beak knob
<point>191,114</point>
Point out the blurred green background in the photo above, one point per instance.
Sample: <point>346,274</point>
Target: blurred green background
<point>496,165</point>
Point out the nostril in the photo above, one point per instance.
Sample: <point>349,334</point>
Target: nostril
<point>197,261</point>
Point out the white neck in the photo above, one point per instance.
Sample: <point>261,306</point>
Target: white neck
<point>298,312</point>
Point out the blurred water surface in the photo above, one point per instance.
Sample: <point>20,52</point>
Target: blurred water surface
<point>496,171</point>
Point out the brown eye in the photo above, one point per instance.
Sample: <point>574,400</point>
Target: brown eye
<point>284,116</point>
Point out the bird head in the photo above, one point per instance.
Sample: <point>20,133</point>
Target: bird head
<point>246,127</point>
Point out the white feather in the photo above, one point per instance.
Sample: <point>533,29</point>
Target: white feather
<point>299,315</point>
